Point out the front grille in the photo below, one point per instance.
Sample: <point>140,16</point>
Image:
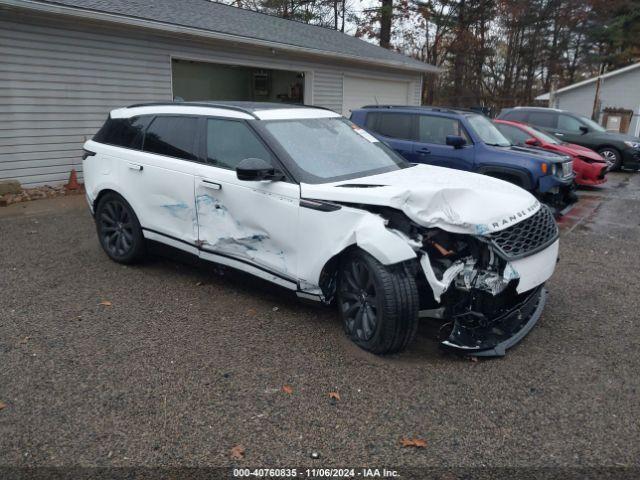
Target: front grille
<point>567,168</point>
<point>527,237</point>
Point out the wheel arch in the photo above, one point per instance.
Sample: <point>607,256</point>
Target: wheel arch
<point>104,192</point>
<point>373,238</point>
<point>608,145</point>
<point>508,174</point>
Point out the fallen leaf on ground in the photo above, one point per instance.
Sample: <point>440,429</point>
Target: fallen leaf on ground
<point>334,395</point>
<point>473,359</point>
<point>413,442</point>
<point>287,389</point>
<point>251,312</point>
<point>198,284</point>
<point>3,405</point>
<point>237,452</point>
<point>25,340</point>
<point>105,303</point>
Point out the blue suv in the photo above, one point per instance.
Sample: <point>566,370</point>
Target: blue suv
<point>466,140</point>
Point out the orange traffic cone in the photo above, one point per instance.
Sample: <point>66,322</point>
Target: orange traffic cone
<point>73,181</point>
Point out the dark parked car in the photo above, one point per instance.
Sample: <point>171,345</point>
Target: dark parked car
<point>467,140</point>
<point>618,149</point>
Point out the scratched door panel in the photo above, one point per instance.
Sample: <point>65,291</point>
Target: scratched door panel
<point>160,190</point>
<point>252,221</point>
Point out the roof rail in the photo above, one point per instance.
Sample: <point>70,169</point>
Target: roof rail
<point>422,107</point>
<point>196,104</point>
<point>538,108</point>
<point>392,106</point>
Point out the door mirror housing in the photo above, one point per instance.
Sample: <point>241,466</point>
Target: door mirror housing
<point>584,129</point>
<point>532,142</point>
<point>256,169</point>
<point>455,141</point>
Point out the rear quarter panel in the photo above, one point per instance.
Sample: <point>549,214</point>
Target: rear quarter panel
<point>100,171</point>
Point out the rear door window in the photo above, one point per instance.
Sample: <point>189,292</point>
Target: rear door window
<point>172,136</point>
<point>543,119</point>
<point>392,125</point>
<point>231,141</point>
<point>123,132</point>
<point>568,123</point>
<point>434,129</point>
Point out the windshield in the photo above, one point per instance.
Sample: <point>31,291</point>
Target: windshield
<point>592,125</point>
<point>544,137</point>
<point>487,131</point>
<point>332,149</point>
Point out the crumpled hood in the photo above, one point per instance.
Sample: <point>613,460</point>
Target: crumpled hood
<point>456,201</point>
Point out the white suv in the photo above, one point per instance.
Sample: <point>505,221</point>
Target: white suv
<point>305,199</point>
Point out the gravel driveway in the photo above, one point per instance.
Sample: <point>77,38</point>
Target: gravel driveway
<point>181,363</point>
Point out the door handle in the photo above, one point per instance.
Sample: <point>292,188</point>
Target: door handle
<point>423,151</point>
<point>212,184</point>
<point>135,166</point>
<point>558,134</point>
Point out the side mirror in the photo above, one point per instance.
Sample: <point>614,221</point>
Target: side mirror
<point>532,142</point>
<point>256,169</point>
<point>456,141</point>
<point>584,129</point>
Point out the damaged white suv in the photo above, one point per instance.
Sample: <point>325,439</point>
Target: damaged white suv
<point>303,198</point>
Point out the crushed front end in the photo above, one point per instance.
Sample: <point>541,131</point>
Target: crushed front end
<point>486,291</point>
<point>557,189</point>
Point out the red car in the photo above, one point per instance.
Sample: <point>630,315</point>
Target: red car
<point>590,168</point>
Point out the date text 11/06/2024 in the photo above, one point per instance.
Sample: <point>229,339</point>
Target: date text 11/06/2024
<point>316,472</point>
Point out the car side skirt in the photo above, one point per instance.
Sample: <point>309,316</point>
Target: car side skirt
<point>223,259</point>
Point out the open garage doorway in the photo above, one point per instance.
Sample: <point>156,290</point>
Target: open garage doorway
<point>198,81</point>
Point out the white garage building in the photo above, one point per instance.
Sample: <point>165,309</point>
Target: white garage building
<point>65,63</point>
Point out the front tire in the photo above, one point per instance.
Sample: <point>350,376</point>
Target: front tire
<point>612,157</point>
<point>119,230</point>
<point>378,304</point>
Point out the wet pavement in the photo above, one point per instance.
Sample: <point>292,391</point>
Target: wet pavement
<point>167,364</point>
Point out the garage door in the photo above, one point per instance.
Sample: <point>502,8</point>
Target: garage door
<point>358,91</point>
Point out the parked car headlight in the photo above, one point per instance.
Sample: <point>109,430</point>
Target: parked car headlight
<point>635,145</point>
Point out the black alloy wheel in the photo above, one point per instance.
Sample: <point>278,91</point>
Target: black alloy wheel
<point>378,303</point>
<point>118,229</point>
<point>358,301</point>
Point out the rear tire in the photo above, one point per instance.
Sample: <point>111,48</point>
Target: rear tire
<point>612,157</point>
<point>119,230</point>
<point>378,304</point>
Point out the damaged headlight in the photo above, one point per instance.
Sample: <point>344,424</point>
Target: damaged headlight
<point>465,262</point>
<point>485,280</point>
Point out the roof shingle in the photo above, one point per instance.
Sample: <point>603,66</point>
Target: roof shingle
<point>220,18</point>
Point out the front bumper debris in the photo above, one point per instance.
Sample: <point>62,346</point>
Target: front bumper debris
<point>474,335</point>
<point>590,174</point>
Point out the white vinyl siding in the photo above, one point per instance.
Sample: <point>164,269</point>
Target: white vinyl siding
<point>619,91</point>
<point>327,89</point>
<point>359,91</point>
<point>60,79</point>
